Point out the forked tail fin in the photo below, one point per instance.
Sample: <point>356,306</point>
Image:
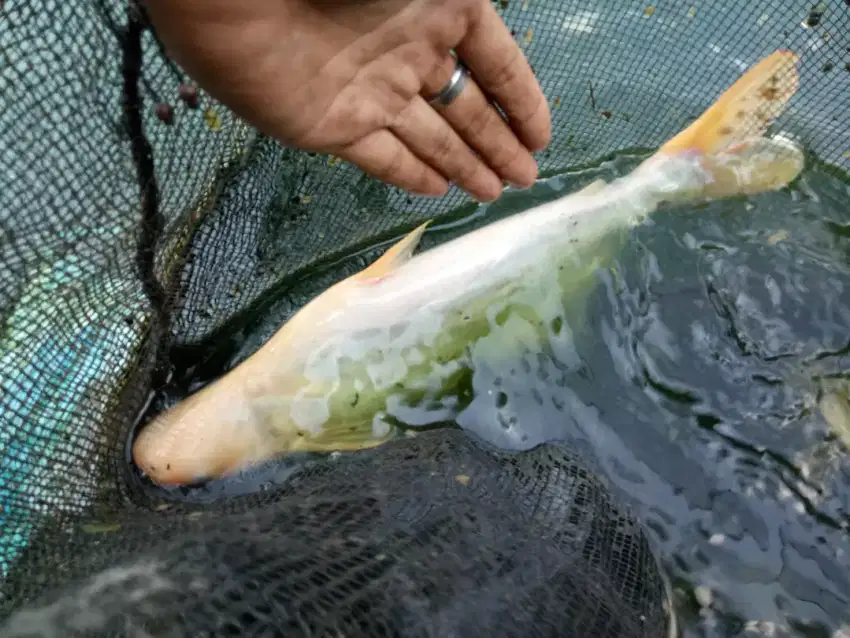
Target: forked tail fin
<point>729,138</point>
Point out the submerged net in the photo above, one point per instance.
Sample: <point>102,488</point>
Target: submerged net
<point>109,274</point>
<point>431,536</point>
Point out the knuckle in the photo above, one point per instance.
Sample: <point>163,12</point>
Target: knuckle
<point>444,146</point>
<point>506,73</point>
<point>387,166</point>
<point>394,166</point>
<point>496,142</point>
<point>480,121</point>
<point>519,100</point>
<point>402,119</point>
<point>469,170</point>
<point>508,157</point>
<point>535,108</point>
<point>478,167</point>
<point>422,179</point>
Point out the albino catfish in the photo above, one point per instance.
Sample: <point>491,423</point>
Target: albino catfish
<point>404,326</point>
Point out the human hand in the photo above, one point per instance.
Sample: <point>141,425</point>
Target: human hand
<point>348,77</point>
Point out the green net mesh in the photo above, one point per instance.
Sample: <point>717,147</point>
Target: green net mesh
<point>109,278</point>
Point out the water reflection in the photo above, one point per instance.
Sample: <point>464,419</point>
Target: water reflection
<point>708,345</point>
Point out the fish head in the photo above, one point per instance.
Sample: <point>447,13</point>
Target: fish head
<point>208,436</point>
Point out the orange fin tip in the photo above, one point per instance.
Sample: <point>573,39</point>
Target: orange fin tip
<point>397,255</point>
<point>745,110</point>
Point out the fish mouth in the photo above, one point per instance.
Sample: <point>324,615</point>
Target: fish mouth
<point>169,470</point>
<point>172,478</point>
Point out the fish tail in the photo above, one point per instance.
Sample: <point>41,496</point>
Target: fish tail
<point>729,138</point>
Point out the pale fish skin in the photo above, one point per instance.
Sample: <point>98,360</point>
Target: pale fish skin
<point>407,325</point>
<point>834,405</point>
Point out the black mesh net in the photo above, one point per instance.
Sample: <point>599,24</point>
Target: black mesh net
<point>110,277</point>
<point>459,542</point>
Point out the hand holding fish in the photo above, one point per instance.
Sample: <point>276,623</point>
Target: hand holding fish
<point>357,79</point>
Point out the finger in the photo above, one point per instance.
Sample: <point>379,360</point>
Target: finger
<point>383,156</point>
<point>484,129</point>
<point>433,140</point>
<point>502,71</point>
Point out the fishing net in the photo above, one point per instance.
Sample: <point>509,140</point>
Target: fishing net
<point>140,222</point>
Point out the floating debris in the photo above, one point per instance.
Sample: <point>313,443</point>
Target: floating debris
<point>165,113</point>
<point>692,12</point>
<point>777,237</point>
<point>704,596</point>
<point>815,16</point>
<point>463,479</point>
<point>529,35</point>
<point>212,119</point>
<point>189,94</point>
<point>648,12</point>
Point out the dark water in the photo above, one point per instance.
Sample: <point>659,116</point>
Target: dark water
<point>692,375</point>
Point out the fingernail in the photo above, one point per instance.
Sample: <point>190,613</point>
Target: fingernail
<point>489,198</point>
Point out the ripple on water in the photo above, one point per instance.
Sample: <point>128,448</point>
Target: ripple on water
<point>715,336</point>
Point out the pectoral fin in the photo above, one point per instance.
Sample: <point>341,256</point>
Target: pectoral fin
<point>395,257</point>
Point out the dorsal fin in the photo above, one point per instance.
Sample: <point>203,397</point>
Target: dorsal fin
<point>745,110</point>
<point>398,254</point>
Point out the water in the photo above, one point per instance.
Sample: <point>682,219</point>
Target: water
<point>713,336</point>
<point>713,332</point>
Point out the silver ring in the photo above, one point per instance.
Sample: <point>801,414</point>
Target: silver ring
<point>454,87</point>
